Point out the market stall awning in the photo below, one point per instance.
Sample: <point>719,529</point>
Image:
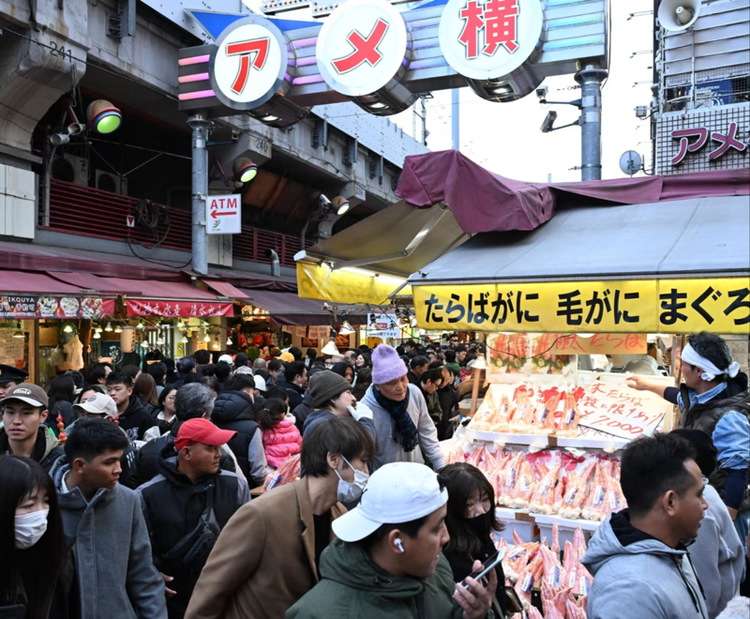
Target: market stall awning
<point>393,244</point>
<point>225,289</point>
<point>483,201</point>
<point>286,308</point>
<point>672,267</point>
<point>29,294</point>
<point>171,299</point>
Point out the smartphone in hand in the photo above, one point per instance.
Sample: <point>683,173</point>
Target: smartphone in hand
<point>489,565</point>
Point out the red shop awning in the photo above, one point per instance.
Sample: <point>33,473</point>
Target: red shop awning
<point>170,299</point>
<point>29,294</point>
<point>225,289</point>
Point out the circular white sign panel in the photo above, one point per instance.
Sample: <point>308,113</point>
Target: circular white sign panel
<point>249,61</point>
<point>487,39</point>
<point>361,46</point>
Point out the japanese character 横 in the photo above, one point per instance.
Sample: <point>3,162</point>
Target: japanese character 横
<point>685,147</point>
<point>432,304</point>
<point>570,307</point>
<point>472,14</point>
<point>453,308</point>
<point>500,25</point>
<point>738,303</point>
<point>671,303</point>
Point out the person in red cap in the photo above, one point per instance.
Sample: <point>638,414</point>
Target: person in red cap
<point>187,505</point>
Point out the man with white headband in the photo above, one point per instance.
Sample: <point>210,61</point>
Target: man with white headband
<point>715,399</point>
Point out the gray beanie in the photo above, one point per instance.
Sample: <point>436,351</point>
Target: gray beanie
<point>326,385</point>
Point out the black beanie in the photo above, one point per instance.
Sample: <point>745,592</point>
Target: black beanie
<point>326,385</point>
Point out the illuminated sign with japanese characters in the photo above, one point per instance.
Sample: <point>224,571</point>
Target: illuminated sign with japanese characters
<point>488,39</point>
<point>695,138</point>
<point>646,306</point>
<point>250,63</point>
<point>181,309</point>
<point>362,46</point>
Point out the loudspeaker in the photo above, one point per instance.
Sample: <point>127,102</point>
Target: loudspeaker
<point>677,15</point>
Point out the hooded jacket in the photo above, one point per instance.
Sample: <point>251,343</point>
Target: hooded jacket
<point>282,441</point>
<point>173,506</point>
<point>234,410</point>
<point>135,420</point>
<point>47,448</point>
<point>114,570</point>
<point>636,575</point>
<point>717,554</point>
<point>387,449</point>
<point>353,586</point>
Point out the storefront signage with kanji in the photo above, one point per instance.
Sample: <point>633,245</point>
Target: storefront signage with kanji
<point>44,306</point>
<point>178,309</point>
<point>224,214</point>
<point>694,139</point>
<point>721,305</point>
<point>487,39</point>
<point>361,47</point>
<point>610,406</point>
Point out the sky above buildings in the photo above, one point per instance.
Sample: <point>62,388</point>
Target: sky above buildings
<point>506,137</point>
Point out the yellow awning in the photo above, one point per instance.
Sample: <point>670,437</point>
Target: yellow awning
<point>345,286</point>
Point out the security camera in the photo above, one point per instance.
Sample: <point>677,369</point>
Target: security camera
<point>58,139</point>
<point>549,121</point>
<point>324,201</point>
<point>235,135</point>
<point>642,111</point>
<point>542,92</point>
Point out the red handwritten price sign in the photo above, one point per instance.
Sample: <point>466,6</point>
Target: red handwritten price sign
<point>610,406</point>
<point>600,344</point>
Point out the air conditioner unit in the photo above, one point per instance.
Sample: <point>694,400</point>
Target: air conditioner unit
<point>80,168</point>
<point>106,181</point>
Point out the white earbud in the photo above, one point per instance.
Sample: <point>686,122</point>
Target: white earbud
<point>399,544</point>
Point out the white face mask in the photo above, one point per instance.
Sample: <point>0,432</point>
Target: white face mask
<point>30,528</point>
<point>350,491</point>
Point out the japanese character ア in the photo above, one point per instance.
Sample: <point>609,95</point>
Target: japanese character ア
<point>684,134</point>
<point>738,303</point>
<point>498,19</point>
<point>671,303</point>
<point>570,307</point>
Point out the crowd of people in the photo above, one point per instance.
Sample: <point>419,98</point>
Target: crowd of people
<point>126,493</point>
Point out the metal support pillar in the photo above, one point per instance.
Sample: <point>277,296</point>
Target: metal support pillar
<point>591,79</point>
<point>455,142</point>
<point>200,126</point>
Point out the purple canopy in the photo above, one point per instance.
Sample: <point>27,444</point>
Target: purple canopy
<point>485,202</point>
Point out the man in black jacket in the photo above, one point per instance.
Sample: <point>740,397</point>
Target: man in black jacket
<point>296,383</point>
<point>131,414</point>
<point>234,410</point>
<point>192,401</point>
<point>24,410</point>
<point>191,487</point>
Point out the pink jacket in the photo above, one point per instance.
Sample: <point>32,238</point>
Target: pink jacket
<point>281,442</point>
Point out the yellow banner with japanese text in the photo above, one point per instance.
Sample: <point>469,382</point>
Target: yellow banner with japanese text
<point>721,305</point>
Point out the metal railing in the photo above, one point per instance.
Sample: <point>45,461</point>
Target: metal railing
<point>86,211</point>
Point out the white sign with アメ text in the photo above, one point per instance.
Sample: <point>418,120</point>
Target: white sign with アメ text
<point>224,214</point>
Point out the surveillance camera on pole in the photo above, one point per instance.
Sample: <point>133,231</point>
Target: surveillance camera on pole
<point>549,121</point>
<point>541,92</point>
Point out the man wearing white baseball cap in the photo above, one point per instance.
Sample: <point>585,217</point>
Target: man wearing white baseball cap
<point>387,560</point>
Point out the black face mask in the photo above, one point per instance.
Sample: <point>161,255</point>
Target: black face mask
<point>480,525</point>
